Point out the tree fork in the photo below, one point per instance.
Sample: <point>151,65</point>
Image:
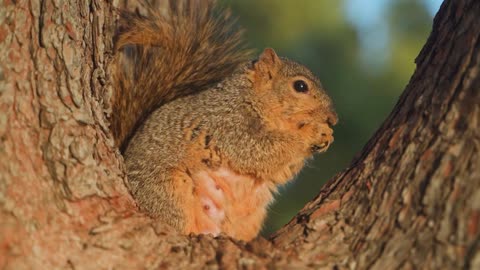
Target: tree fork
<point>410,200</point>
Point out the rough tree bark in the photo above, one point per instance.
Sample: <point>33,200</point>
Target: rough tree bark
<point>410,200</point>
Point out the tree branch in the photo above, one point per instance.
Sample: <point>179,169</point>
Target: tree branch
<point>410,200</point>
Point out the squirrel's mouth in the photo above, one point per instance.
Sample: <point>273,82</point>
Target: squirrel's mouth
<point>320,148</point>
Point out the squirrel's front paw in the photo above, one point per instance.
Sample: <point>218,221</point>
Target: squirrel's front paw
<point>325,134</point>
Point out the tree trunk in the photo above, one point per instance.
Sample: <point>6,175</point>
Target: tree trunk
<point>410,200</point>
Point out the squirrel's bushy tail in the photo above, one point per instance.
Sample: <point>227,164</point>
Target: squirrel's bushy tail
<point>172,51</point>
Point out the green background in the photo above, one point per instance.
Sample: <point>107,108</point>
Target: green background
<point>362,51</point>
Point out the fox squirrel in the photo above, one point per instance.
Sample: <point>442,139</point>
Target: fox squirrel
<point>207,134</point>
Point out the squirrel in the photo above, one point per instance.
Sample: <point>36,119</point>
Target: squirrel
<point>207,132</point>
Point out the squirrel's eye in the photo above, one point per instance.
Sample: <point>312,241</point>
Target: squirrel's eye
<point>300,86</point>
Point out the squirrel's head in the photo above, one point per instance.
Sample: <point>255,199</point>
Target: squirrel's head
<point>292,99</point>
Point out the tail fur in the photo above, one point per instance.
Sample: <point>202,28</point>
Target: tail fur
<point>172,51</point>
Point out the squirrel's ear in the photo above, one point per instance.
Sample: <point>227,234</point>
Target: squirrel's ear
<point>268,64</point>
<point>269,56</point>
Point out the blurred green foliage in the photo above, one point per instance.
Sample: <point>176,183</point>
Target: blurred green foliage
<point>364,86</point>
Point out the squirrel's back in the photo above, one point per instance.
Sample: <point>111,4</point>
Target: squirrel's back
<point>164,136</point>
<point>161,55</point>
<point>219,111</point>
